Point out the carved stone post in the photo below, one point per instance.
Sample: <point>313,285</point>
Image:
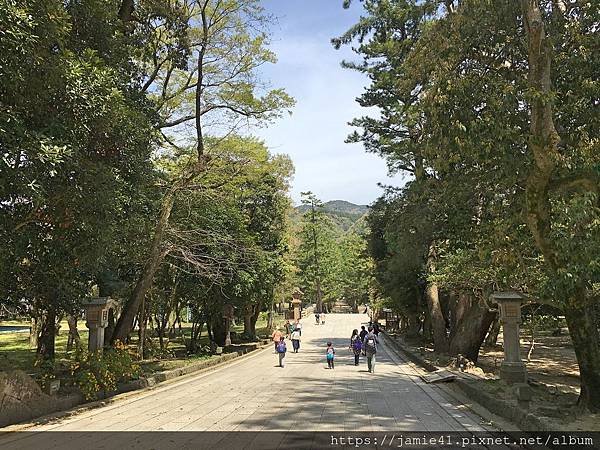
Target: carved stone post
<point>513,370</point>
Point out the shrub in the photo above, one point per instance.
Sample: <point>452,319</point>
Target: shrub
<point>95,372</point>
<point>46,372</point>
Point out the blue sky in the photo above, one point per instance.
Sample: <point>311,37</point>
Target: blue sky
<point>309,69</point>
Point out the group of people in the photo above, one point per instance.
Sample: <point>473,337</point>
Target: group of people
<point>365,343</point>
<point>319,318</point>
<point>293,331</point>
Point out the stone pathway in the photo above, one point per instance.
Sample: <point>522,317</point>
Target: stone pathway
<point>253,394</point>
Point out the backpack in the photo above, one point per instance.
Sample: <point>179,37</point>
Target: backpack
<point>370,344</point>
<point>357,345</point>
<point>281,347</point>
<point>330,353</point>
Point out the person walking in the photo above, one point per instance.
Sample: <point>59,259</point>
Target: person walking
<point>288,329</point>
<point>370,344</point>
<point>356,346</point>
<point>363,333</point>
<point>281,349</point>
<point>317,318</point>
<point>330,355</point>
<point>376,329</point>
<point>322,318</point>
<point>276,336</point>
<point>296,340</point>
<point>298,326</point>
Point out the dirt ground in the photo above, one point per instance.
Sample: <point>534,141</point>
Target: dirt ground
<point>553,374</point>
<point>552,361</point>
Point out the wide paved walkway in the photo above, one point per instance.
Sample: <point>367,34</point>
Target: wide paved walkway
<point>254,394</point>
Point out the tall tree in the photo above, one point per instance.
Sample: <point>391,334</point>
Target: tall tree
<point>76,140</point>
<point>227,45</point>
<point>502,154</point>
<point>548,173</point>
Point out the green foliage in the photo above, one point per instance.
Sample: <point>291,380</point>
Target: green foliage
<point>345,215</point>
<point>85,105</point>
<point>101,371</point>
<point>451,87</point>
<point>492,203</point>
<point>331,262</point>
<point>229,242</point>
<point>46,372</point>
<point>229,41</point>
<point>76,140</point>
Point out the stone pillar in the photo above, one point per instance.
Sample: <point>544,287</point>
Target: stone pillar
<point>96,337</point>
<point>296,307</point>
<point>513,370</point>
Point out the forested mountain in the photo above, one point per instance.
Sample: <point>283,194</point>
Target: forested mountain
<point>343,213</point>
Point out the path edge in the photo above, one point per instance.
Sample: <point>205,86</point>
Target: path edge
<point>522,418</point>
<point>75,404</point>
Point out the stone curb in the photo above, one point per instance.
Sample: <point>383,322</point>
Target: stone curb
<point>62,405</point>
<point>525,420</point>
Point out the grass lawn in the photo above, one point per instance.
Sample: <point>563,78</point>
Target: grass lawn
<point>16,354</point>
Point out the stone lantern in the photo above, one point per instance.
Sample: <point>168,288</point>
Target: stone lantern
<point>296,302</point>
<point>513,370</point>
<point>96,319</point>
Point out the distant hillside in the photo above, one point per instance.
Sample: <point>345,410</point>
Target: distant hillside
<point>344,214</point>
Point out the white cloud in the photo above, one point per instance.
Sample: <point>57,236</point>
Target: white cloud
<point>309,69</point>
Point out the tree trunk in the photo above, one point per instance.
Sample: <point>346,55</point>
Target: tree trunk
<point>461,304</point>
<point>176,319</point>
<point>470,331</point>
<point>46,340</point>
<point>156,256</point>
<point>271,316</point>
<point>254,318</point>
<point>73,332</point>
<point>34,331</point>
<point>438,323</point>
<point>110,327</point>
<point>492,337</point>
<point>142,330</point>
<point>544,147</point>
<point>319,305</point>
<point>209,329</point>
<point>218,330</point>
<point>248,323</point>
<point>426,324</point>
<point>581,320</point>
